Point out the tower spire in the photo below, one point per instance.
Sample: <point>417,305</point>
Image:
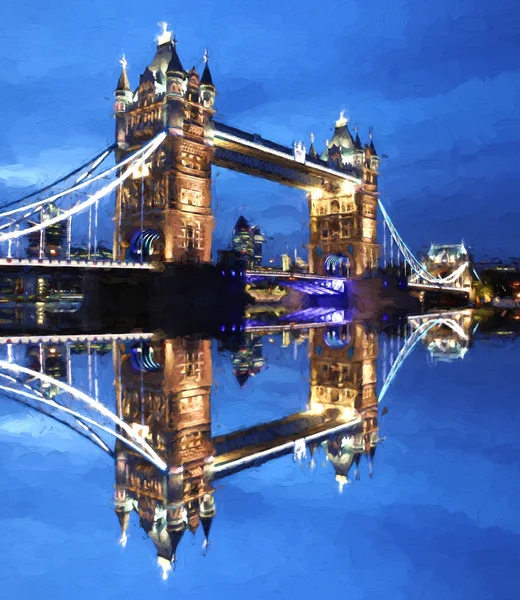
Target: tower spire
<point>312,150</point>
<point>175,65</point>
<point>123,85</point>
<point>357,141</point>
<point>372,147</point>
<point>206,78</point>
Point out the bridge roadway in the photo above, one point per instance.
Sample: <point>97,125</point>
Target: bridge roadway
<point>75,263</point>
<point>257,445</point>
<point>278,273</point>
<point>249,153</point>
<point>308,283</point>
<point>441,287</point>
<point>78,338</point>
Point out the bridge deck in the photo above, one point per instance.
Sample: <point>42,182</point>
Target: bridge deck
<point>250,153</point>
<point>74,263</point>
<point>255,455</point>
<point>440,287</point>
<point>290,275</point>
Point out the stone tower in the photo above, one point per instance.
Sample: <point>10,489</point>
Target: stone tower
<point>164,395</point>
<point>343,239</point>
<point>343,384</point>
<point>163,211</point>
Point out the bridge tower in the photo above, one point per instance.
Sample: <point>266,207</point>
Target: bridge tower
<point>163,211</point>
<point>164,394</point>
<point>343,379</point>
<point>343,237</point>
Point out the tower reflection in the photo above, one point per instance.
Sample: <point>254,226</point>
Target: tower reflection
<point>157,425</point>
<point>163,391</point>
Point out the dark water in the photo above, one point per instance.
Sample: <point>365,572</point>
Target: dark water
<point>414,496</point>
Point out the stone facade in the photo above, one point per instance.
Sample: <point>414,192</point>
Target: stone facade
<point>171,195</point>
<point>343,377</point>
<point>343,218</point>
<point>166,398</point>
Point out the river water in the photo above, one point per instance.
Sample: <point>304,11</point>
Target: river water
<point>277,471</point>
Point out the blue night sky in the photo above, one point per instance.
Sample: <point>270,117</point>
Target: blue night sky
<point>438,81</point>
<point>439,520</point>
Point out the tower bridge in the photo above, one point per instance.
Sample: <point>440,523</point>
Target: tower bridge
<point>159,189</point>
<point>158,424</point>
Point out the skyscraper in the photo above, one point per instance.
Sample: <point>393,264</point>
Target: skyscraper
<point>247,243</point>
<point>258,240</point>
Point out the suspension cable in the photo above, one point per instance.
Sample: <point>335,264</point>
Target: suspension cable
<point>99,157</point>
<point>144,154</point>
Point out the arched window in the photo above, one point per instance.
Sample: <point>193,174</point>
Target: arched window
<point>190,237</point>
<point>334,207</point>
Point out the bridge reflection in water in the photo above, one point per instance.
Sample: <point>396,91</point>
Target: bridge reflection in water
<point>158,429</point>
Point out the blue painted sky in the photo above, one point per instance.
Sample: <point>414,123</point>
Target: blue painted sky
<point>438,520</point>
<point>438,81</point>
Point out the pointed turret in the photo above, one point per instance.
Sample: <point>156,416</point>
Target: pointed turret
<point>312,150</point>
<point>372,148</point>
<point>371,455</point>
<point>123,85</point>
<point>175,90</point>
<point>174,65</point>
<point>175,538</point>
<point>207,512</point>
<point>206,527</point>
<point>357,142</point>
<point>374,158</point>
<point>207,88</point>
<point>357,458</point>
<point>147,76</point>
<point>241,377</point>
<point>206,78</point>
<point>167,542</point>
<point>123,96</point>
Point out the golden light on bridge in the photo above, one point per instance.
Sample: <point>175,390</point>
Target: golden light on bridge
<point>347,188</point>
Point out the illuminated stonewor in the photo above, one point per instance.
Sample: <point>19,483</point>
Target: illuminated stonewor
<point>163,211</point>
<point>341,413</point>
<point>451,262</point>
<point>450,339</point>
<point>164,393</point>
<point>343,381</point>
<point>343,237</point>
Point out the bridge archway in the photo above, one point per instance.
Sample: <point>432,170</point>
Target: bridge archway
<point>338,337</point>
<point>338,265</point>
<point>143,360</point>
<point>148,242</point>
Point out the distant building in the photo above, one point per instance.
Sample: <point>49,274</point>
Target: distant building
<point>249,359</point>
<point>444,259</point>
<point>301,265</point>
<point>247,243</point>
<point>447,254</point>
<point>258,241</point>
